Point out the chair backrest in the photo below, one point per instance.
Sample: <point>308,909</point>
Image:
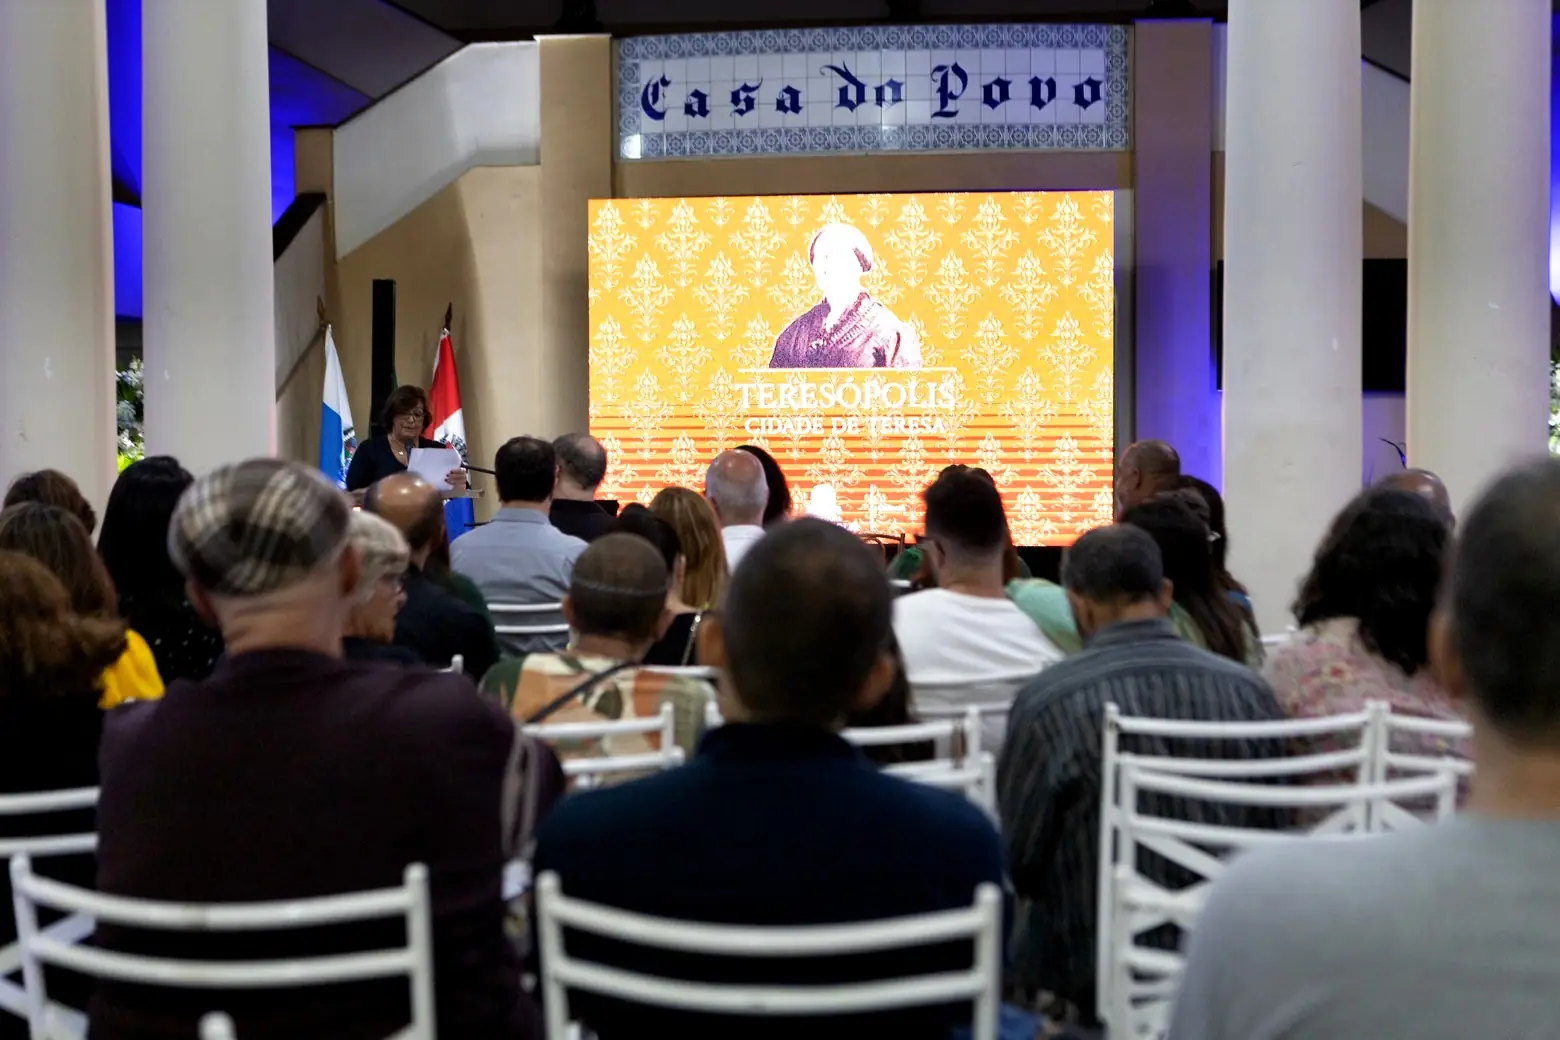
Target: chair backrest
<point>588,770</point>
<point>13,998</point>
<point>979,924</point>
<point>1142,978</point>
<point>957,737</point>
<point>409,901</point>
<point>457,665</point>
<point>993,698</point>
<point>1205,739</point>
<point>522,612</point>
<point>976,778</point>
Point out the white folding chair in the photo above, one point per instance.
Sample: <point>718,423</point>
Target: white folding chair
<point>70,929</point>
<point>712,717</point>
<point>457,665</point>
<point>52,1021</point>
<point>1143,979</point>
<point>956,737</point>
<point>588,770</point>
<point>524,611</point>
<point>976,779</point>
<point>1156,732</point>
<point>992,698</point>
<point>979,923</point>
<point>1427,746</point>
<point>217,1026</point>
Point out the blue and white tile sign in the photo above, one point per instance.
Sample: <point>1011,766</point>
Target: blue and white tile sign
<point>873,89</point>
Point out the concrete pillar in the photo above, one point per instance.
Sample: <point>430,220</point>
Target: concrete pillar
<point>1292,241</point>
<point>1478,239</point>
<point>210,321</point>
<point>56,244</point>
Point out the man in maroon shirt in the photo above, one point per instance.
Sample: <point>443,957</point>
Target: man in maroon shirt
<point>292,773</point>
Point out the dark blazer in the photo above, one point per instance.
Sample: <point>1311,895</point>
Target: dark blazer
<point>586,521</point>
<point>770,825</point>
<point>286,775</point>
<point>374,461</point>
<point>436,626</point>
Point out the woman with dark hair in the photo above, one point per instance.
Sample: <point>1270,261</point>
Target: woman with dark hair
<point>893,710</point>
<point>1364,613</point>
<point>678,645</point>
<point>57,540</point>
<point>50,487</point>
<point>134,547</point>
<point>1219,538</point>
<point>1206,615</point>
<point>405,419</point>
<point>778,508</point>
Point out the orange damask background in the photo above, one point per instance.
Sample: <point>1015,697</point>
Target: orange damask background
<point>1012,298</point>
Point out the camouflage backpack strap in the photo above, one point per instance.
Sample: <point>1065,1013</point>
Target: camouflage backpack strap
<point>578,690</point>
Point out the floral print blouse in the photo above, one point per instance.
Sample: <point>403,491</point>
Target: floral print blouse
<point>1325,669</point>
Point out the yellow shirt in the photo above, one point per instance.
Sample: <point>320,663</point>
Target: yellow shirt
<point>133,677</point>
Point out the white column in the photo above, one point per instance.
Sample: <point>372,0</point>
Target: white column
<point>1478,239</point>
<point>56,244</point>
<point>1292,248</point>
<point>210,320</point>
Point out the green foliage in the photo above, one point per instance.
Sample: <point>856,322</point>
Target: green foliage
<point>130,387</point>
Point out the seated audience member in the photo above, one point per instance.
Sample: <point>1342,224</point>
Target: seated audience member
<point>1147,468</point>
<point>57,540</point>
<point>912,565</point>
<point>777,509</point>
<point>437,569</point>
<point>777,820</point>
<point>50,487</point>
<point>293,773</point>
<point>582,466</point>
<point>677,645</point>
<point>893,710</point>
<point>370,631</point>
<point>698,532</point>
<point>1212,514</point>
<point>1049,774</point>
<point>1442,932</point>
<point>1206,615</point>
<point>738,493</point>
<point>616,606</point>
<point>520,557</point>
<point>50,723</point>
<point>1364,613</point>
<point>431,623</point>
<point>1428,486</point>
<point>964,642</point>
<point>134,547</point>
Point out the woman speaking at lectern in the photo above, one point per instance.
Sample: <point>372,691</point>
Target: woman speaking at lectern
<point>404,419</point>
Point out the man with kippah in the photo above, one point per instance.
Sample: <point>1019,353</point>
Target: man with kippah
<point>292,773</point>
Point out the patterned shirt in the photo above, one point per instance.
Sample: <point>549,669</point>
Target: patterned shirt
<point>1326,669</point>
<point>1048,781</point>
<point>632,693</point>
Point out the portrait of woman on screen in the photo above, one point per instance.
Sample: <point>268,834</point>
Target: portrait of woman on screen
<point>848,329</point>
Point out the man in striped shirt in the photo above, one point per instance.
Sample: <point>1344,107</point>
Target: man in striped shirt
<point>1049,775</point>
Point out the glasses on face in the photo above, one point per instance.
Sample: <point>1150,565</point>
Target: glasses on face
<point>414,417</point>
<point>393,583</point>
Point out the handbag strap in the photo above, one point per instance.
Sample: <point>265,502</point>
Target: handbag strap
<point>558,702</point>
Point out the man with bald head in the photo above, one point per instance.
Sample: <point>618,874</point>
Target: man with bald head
<point>1147,468</point>
<point>738,492</point>
<point>1426,484</point>
<point>433,623</point>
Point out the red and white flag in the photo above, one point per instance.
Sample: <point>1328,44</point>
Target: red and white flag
<point>447,420</point>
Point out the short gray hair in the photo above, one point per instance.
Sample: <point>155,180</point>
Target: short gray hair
<point>382,548</point>
<point>736,484</point>
<point>1120,563</point>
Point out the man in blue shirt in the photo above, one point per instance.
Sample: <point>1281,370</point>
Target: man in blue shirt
<point>520,557</point>
<point>777,820</point>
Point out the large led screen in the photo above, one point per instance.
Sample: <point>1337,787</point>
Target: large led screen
<point>866,341</point>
